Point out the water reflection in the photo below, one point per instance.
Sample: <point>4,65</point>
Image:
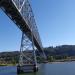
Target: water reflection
<point>65,68</point>
<point>28,74</point>
<point>41,71</point>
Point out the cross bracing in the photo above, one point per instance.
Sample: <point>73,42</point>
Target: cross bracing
<point>21,13</point>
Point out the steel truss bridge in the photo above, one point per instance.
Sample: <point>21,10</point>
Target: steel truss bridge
<point>20,12</point>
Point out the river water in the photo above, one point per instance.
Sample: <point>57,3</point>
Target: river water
<point>64,68</point>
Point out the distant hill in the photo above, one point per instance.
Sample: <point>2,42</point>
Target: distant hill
<point>68,50</point>
<point>63,50</point>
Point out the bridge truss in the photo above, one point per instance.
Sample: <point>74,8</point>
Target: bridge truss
<point>20,12</point>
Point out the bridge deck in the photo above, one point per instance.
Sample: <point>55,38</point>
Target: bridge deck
<point>9,8</point>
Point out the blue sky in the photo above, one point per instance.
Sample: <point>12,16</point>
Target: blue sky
<point>55,20</point>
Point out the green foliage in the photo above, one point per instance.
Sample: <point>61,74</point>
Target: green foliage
<point>50,58</point>
<point>52,53</point>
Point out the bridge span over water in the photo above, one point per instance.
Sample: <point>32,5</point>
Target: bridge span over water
<point>20,12</point>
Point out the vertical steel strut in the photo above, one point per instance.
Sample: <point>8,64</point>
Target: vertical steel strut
<point>26,45</point>
<point>34,53</point>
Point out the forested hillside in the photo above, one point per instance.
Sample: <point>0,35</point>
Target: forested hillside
<point>52,53</point>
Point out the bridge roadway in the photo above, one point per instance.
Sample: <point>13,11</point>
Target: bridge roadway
<point>11,8</point>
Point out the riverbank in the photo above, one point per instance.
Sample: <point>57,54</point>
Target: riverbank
<point>54,61</point>
<point>7,64</point>
<point>62,61</point>
<point>3,65</point>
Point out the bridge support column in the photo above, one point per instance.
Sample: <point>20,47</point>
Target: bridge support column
<point>27,60</point>
<point>34,53</point>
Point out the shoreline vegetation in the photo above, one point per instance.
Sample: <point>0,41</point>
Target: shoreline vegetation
<point>56,61</point>
<point>63,53</point>
<point>7,64</point>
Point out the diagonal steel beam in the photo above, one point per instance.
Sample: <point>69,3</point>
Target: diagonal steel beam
<point>22,5</point>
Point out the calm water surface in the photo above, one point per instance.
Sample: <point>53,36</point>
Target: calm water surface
<point>65,68</point>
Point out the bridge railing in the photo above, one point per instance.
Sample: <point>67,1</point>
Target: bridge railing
<point>26,11</point>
